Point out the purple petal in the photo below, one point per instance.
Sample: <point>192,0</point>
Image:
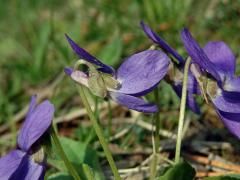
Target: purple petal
<point>231,121</point>
<point>232,85</point>
<point>68,71</point>
<point>141,72</point>
<point>158,40</point>
<point>197,54</point>
<point>221,56</point>
<point>231,89</point>
<point>29,170</point>
<point>226,105</point>
<point>32,105</point>
<point>83,54</point>
<point>10,163</point>
<point>134,103</point>
<point>35,125</point>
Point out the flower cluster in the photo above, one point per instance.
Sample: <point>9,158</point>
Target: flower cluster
<point>219,63</point>
<point>27,161</point>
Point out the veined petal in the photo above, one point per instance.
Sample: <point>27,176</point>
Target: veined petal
<point>141,72</point>
<point>221,56</point>
<point>28,170</point>
<point>232,84</point>
<point>35,125</point>
<point>231,89</point>
<point>134,103</point>
<point>198,55</point>
<point>83,54</point>
<point>10,163</point>
<point>226,104</point>
<point>158,40</point>
<point>231,121</point>
<point>32,105</point>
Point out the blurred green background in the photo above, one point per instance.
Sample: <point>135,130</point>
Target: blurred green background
<point>33,49</point>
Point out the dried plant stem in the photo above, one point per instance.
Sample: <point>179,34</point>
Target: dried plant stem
<point>62,154</point>
<point>182,111</point>
<point>99,133</point>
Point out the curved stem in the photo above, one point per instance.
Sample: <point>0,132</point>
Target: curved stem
<point>99,133</point>
<point>62,154</point>
<point>182,111</point>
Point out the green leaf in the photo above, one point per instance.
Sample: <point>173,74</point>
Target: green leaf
<point>225,177</point>
<point>111,53</point>
<point>180,171</point>
<point>78,153</point>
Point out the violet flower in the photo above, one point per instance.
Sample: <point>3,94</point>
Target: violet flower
<point>26,162</point>
<point>138,75</point>
<point>176,80</point>
<point>223,87</point>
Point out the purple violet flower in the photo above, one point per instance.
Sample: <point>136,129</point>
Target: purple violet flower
<point>223,87</point>
<point>176,81</point>
<point>138,75</point>
<point>26,162</point>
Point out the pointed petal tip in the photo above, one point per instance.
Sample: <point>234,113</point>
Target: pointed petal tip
<point>35,125</point>
<point>68,71</point>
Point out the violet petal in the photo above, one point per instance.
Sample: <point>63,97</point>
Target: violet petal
<point>197,54</point>
<point>68,71</point>
<point>83,54</point>
<point>10,163</point>
<point>158,40</point>
<point>134,103</point>
<point>226,105</point>
<point>29,170</point>
<point>221,56</point>
<point>35,125</point>
<point>232,85</point>
<point>141,72</point>
<point>231,121</point>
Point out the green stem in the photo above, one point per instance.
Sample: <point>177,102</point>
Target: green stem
<point>182,111</point>
<point>157,121</point>
<point>154,160</point>
<point>99,133</point>
<point>62,154</point>
<point>109,119</point>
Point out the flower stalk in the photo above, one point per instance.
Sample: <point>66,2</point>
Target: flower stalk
<point>62,154</point>
<point>99,133</point>
<point>182,111</point>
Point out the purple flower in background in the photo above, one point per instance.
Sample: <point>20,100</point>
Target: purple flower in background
<point>26,162</point>
<point>223,87</point>
<point>176,80</point>
<point>138,75</point>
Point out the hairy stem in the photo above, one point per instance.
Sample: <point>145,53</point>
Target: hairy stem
<point>182,111</point>
<point>99,133</point>
<point>62,154</point>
